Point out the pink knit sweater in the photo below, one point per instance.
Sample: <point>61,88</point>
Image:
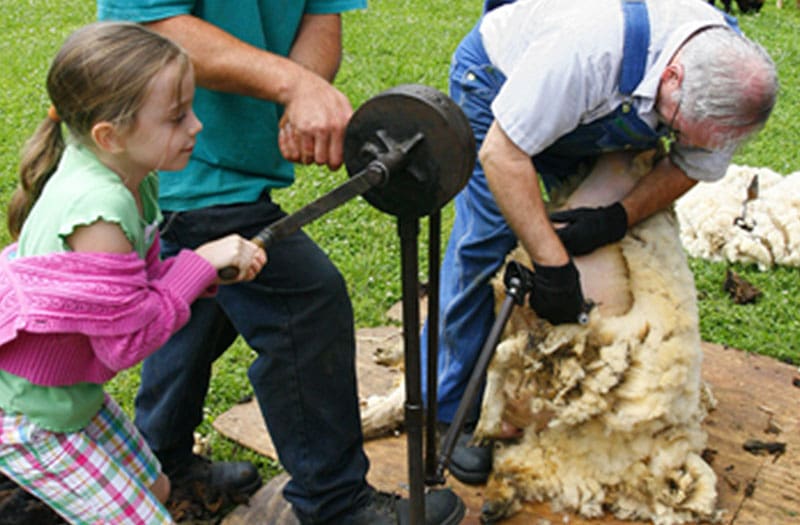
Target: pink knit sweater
<point>72,317</point>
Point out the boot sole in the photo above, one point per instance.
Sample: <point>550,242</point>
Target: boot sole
<point>245,491</point>
<point>458,515</point>
<point>468,477</point>
<point>454,518</point>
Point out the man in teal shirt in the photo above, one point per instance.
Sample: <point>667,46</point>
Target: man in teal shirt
<point>264,72</point>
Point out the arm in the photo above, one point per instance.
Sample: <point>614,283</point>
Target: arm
<point>318,45</point>
<point>152,310</point>
<point>556,294</point>
<point>153,301</point>
<point>582,230</point>
<point>655,191</point>
<point>159,306</point>
<point>100,236</point>
<point>232,250</point>
<point>515,186</point>
<point>157,302</point>
<point>316,112</point>
<point>222,62</point>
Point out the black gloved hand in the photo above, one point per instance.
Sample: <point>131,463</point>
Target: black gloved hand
<point>556,293</point>
<point>589,228</point>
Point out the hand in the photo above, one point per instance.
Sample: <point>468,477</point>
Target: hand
<point>313,125</point>
<point>556,293</point>
<point>234,251</point>
<point>589,228</point>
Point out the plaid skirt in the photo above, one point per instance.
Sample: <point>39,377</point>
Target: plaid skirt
<point>99,474</point>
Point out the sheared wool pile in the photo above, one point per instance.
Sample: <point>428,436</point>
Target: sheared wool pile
<point>707,213</point>
<point>611,411</point>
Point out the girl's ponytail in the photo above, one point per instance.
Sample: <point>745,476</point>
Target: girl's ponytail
<point>40,157</point>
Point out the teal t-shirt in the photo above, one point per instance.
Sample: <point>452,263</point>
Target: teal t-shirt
<point>236,156</point>
<point>81,191</point>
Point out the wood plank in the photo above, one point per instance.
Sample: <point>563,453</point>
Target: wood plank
<point>755,396</point>
<point>243,423</point>
<point>756,400</point>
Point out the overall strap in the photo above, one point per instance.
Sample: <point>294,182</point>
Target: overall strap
<point>635,45</point>
<point>731,20</point>
<point>488,5</point>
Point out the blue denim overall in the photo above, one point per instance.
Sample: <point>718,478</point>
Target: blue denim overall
<point>481,238</point>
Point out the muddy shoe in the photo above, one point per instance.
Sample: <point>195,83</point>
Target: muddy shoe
<point>202,488</point>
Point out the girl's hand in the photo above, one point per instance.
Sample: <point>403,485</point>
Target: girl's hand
<point>236,251</point>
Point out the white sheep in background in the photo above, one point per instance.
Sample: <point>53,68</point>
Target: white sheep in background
<point>707,212</point>
<point>611,411</point>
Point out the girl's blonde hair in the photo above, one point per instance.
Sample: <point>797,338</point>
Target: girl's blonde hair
<point>101,73</point>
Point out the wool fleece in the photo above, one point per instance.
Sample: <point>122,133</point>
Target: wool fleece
<point>611,411</point>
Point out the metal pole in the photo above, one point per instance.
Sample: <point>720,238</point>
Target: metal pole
<point>409,229</point>
<point>517,280</point>
<point>431,445</point>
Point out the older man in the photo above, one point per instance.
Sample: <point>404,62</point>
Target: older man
<point>550,85</point>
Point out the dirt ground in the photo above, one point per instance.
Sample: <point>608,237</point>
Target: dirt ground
<point>17,507</point>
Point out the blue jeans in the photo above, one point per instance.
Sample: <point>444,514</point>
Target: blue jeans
<point>477,246</point>
<point>297,317</point>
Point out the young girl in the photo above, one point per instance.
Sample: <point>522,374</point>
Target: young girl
<point>83,293</point>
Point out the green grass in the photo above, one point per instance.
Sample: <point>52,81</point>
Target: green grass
<point>395,42</point>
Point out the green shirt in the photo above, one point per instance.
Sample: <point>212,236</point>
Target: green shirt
<point>80,192</point>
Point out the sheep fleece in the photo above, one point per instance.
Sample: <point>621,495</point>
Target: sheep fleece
<point>611,411</point>
<point>707,212</point>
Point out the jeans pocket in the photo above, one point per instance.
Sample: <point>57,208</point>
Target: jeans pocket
<point>482,81</point>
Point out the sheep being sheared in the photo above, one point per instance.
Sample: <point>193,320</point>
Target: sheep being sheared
<point>772,234</point>
<point>611,411</point>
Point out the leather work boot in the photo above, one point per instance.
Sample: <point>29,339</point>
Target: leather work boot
<point>442,507</point>
<point>470,464</point>
<point>202,488</point>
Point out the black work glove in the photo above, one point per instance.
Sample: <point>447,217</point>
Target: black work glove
<point>590,228</point>
<point>556,293</point>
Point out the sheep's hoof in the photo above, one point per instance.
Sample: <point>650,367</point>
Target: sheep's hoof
<point>494,511</point>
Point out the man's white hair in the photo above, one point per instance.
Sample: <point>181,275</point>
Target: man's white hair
<point>729,82</point>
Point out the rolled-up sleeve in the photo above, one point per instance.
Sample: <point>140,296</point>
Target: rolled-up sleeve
<point>143,10</point>
<point>322,7</point>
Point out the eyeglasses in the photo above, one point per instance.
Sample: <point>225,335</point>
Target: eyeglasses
<point>673,133</point>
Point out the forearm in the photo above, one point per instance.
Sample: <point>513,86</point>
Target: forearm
<point>318,45</point>
<point>222,62</point>
<point>655,191</point>
<point>515,186</point>
<point>162,306</point>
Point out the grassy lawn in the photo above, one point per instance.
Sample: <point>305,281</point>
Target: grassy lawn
<point>395,42</point>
